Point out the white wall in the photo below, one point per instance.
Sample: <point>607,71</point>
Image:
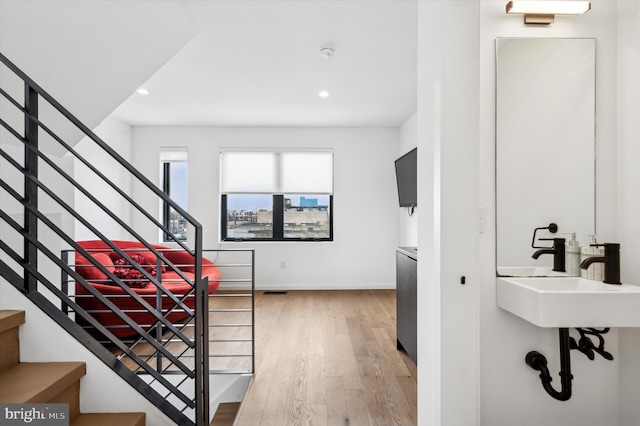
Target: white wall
<point>408,225</point>
<point>511,392</point>
<point>365,201</point>
<point>628,196</point>
<point>119,137</point>
<point>448,91</point>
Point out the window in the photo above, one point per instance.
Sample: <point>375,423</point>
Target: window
<point>277,195</point>
<point>173,165</point>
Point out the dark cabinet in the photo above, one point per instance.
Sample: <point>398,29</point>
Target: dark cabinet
<point>407,301</point>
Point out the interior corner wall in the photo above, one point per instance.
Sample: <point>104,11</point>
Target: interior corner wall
<point>408,225</point>
<point>628,106</point>
<point>362,254</point>
<point>448,285</point>
<point>118,135</point>
<point>511,392</point>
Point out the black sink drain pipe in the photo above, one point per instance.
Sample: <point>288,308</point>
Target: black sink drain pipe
<point>537,361</point>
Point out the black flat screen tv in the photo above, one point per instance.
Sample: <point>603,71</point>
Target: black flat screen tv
<point>407,178</point>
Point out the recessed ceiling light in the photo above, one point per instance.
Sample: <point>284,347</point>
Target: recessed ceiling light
<point>142,91</point>
<point>323,94</point>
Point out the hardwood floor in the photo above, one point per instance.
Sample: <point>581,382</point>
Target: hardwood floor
<point>329,358</point>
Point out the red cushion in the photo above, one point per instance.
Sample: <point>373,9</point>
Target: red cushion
<point>171,280</point>
<point>91,272</point>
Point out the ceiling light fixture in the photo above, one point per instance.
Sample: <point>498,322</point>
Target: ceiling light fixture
<point>323,94</point>
<point>543,12</point>
<point>326,53</point>
<point>142,91</point>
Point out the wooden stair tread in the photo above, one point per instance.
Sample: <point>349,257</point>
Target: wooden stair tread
<point>38,381</point>
<point>109,419</point>
<point>225,414</point>
<point>10,319</point>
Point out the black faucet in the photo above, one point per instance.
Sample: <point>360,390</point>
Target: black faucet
<point>558,254</point>
<point>611,260</point>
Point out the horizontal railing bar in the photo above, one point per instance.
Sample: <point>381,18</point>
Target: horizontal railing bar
<point>230,325</point>
<point>221,293</point>
<point>212,340</point>
<point>116,296</point>
<point>12,100</point>
<point>221,372</point>
<point>222,325</point>
<point>132,311</point>
<point>234,265</point>
<point>216,340</point>
<point>219,356</point>
<point>231,356</point>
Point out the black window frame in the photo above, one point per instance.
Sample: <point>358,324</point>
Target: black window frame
<point>278,222</point>
<point>166,208</point>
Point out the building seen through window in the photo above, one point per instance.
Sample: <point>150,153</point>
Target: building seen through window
<point>253,208</point>
<point>175,185</point>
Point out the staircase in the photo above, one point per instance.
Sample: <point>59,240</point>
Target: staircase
<point>43,207</point>
<point>46,382</point>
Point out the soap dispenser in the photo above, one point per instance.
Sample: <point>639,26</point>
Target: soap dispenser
<point>572,256</point>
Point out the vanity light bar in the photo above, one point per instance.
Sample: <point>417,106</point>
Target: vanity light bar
<point>543,12</point>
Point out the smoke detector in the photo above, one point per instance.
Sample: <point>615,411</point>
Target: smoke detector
<point>326,52</point>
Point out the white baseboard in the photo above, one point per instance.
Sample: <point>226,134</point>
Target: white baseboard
<point>329,286</point>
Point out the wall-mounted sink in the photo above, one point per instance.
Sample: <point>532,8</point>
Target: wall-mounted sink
<point>529,271</point>
<point>570,302</point>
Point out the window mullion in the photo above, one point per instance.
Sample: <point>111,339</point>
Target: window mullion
<point>166,188</point>
<point>278,216</point>
<point>224,217</point>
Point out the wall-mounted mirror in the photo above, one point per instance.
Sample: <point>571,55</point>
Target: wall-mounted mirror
<point>545,146</point>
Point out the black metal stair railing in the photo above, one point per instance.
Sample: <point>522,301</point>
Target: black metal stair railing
<point>38,218</point>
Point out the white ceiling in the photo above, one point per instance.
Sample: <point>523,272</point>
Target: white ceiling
<point>257,63</point>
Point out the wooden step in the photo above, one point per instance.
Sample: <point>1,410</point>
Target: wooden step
<point>40,382</point>
<point>10,319</point>
<point>47,382</point>
<point>226,414</point>
<point>9,341</point>
<point>109,419</point>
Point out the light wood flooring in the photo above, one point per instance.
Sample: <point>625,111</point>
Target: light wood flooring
<point>329,358</point>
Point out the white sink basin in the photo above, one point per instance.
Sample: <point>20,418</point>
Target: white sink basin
<point>529,271</point>
<point>570,302</point>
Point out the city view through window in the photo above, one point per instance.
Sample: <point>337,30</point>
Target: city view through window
<point>250,216</point>
<point>175,184</point>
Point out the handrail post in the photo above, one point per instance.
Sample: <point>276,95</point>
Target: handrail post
<point>201,334</point>
<point>30,187</point>
<point>253,311</point>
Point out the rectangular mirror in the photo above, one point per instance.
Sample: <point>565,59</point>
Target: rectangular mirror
<point>545,146</point>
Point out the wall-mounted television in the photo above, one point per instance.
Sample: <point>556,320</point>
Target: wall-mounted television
<point>407,178</point>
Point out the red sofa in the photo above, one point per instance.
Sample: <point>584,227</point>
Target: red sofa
<point>113,262</point>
